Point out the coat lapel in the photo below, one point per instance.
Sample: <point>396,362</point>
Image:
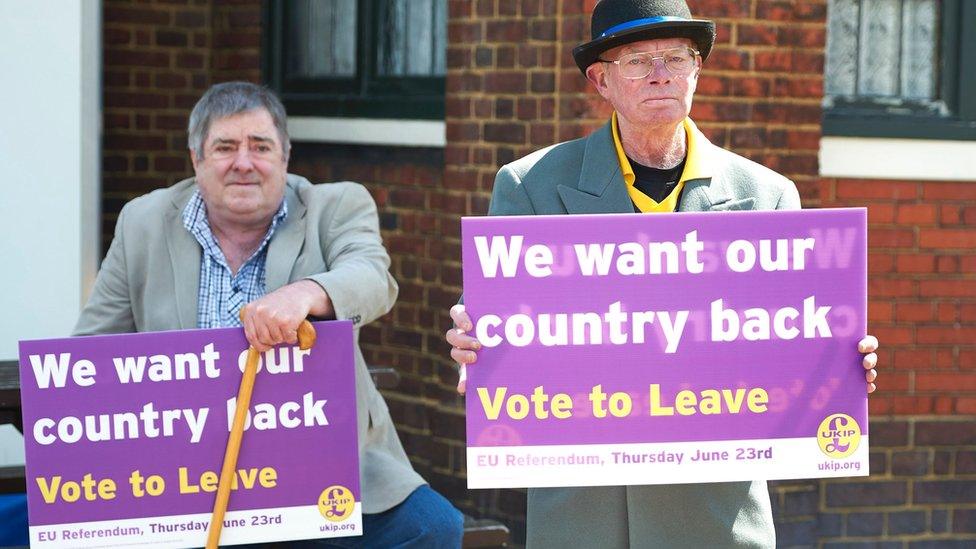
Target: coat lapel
<point>285,245</point>
<point>601,187</point>
<point>184,255</point>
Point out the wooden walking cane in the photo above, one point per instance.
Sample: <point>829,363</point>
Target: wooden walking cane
<point>306,340</point>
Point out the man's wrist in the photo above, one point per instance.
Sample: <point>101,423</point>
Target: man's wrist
<point>320,305</point>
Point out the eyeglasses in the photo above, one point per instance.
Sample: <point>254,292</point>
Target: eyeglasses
<point>678,61</point>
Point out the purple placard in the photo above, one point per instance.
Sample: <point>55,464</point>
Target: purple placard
<point>81,419</point>
<point>643,306</point>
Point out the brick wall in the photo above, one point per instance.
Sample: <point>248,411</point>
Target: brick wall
<point>159,56</point>
<point>512,87</point>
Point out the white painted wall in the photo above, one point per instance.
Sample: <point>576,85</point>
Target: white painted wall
<point>908,159</point>
<point>50,118</point>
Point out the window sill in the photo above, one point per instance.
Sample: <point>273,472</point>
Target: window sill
<point>367,131</point>
<point>883,158</point>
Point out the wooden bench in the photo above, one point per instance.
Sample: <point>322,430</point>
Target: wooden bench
<point>484,533</point>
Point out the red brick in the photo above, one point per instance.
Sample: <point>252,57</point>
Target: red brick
<point>752,86</point>
<point>966,405</point>
<point>880,213</point>
<point>134,58</point>
<point>910,405</point>
<point>891,238</point>
<point>112,13</point>
<point>725,59</point>
<point>880,263</point>
<point>950,214</point>
<point>947,288</point>
<point>911,263</point>
<point>896,381</point>
<point>945,381</point>
<point>791,11</point>
<point>879,311</point>
<point>867,188</point>
<point>911,359</point>
<point>916,214</point>
<point>756,34</point>
<point>720,8</point>
<point>788,61</point>
<point>932,335</point>
<point>805,37</point>
<point>893,335</point>
<point>947,238</point>
<point>914,312</point>
<point>967,359</point>
<point>949,191</point>
<point>505,82</point>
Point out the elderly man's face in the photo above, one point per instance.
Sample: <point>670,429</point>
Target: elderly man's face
<point>659,99</point>
<point>242,173</point>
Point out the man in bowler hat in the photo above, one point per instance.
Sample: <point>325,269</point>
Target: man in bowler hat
<point>644,58</point>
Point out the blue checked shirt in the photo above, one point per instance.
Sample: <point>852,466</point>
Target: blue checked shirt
<point>222,294</point>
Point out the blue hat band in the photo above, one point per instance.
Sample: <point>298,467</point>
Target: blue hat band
<point>638,23</point>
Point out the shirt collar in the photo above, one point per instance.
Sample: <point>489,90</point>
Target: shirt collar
<point>195,220</point>
<point>697,166</point>
<point>696,162</point>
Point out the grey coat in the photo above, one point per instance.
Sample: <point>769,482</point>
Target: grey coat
<point>584,177</point>
<point>149,281</point>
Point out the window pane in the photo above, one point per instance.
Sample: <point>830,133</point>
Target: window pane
<point>885,49</point>
<point>412,38</point>
<point>920,54</point>
<point>841,73</point>
<point>321,38</point>
<point>880,47</point>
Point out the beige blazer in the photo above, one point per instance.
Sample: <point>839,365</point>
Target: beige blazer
<point>150,278</point>
<point>584,177</point>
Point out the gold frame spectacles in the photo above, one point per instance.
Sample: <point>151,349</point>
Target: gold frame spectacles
<point>678,61</point>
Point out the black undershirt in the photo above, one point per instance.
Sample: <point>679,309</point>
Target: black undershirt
<point>655,183</point>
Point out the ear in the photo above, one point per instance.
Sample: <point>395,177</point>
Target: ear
<point>194,159</point>
<point>597,75</point>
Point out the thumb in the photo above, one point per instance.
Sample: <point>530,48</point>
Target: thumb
<point>462,379</point>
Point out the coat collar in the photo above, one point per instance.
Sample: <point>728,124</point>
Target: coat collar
<point>185,253</point>
<point>601,187</point>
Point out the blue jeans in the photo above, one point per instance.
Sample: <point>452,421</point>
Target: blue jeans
<point>424,520</point>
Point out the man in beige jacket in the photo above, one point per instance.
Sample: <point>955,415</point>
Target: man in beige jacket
<point>244,236</point>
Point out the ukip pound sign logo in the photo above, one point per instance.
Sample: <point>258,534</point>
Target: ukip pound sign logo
<point>839,435</point>
<point>336,503</point>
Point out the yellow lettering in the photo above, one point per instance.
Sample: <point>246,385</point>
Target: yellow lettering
<point>209,481</point>
<point>656,408</point>
<point>686,403</point>
<point>562,406</point>
<point>758,399</point>
<point>517,407</point>
<point>49,491</point>
<point>734,403</point>
<point>711,402</point>
<point>268,478</point>
<point>493,405</point>
<point>185,486</point>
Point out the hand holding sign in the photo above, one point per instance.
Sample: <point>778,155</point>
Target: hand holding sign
<point>463,346</point>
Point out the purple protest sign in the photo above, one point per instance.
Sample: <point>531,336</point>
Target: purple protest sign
<point>647,349</point>
<point>125,437</point>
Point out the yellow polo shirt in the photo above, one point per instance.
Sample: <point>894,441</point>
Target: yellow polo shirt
<point>696,167</point>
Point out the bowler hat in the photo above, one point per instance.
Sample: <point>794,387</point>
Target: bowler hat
<point>618,22</point>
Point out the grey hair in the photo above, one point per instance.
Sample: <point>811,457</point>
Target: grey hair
<point>228,99</point>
